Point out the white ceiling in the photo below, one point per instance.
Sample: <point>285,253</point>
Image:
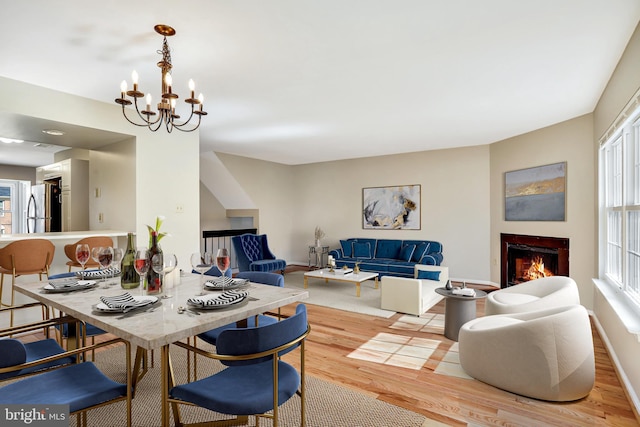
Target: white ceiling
<point>300,81</point>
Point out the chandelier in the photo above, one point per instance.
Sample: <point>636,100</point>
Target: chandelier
<point>166,114</point>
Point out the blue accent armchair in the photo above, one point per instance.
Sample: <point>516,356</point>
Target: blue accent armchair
<point>254,254</point>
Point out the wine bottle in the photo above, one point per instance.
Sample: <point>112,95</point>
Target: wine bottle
<point>129,279</point>
<point>154,280</point>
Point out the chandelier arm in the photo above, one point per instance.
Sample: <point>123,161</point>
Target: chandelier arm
<point>124,113</point>
<point>143,118</point>
<point>179,125</point>
<point>189,130</point>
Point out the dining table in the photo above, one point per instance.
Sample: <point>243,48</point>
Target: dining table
<point>169,320</point>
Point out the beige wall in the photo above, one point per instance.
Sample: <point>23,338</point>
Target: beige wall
<point>294,200</point>
<point>570,142</point>
<point>271,187</point>
<point>113,173</point>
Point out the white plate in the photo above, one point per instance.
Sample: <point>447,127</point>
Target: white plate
<point>147,299</point>
<point>216,284</point>
<point>80,284</point>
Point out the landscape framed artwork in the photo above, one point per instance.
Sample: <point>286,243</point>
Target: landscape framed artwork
<point>391,208</point>
<point>536,194</point>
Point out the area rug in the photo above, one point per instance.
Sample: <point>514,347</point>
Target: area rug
<point>339,295</point>
<point>327,404</point>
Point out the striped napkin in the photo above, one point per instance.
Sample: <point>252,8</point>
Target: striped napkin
<point>120,302</point>
<point>225,282</point>
<point>225,298</point>
<point>98,274</point>
<point>70,282</point>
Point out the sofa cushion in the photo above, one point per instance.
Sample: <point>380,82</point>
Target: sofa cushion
<point>401,268</point>
<point>362,250</point>
<point>406,252</point>
<point>421,249</point>
<point>429,275</point>
<point>347,248</point>
<point>388,248</point>
<point>374,265</point>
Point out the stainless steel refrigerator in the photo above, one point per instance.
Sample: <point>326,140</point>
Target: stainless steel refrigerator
<point>44,210</point>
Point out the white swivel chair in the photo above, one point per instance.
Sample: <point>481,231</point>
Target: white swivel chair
<point>538,294</point>
<point>546,354</point>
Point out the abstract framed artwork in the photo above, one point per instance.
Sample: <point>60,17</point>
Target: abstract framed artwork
<point>391,208</point>
<point>536,194</point>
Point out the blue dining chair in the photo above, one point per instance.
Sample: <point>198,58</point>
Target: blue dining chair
<point>272,279</point>
<point>16,352</point>
<point>89,331</point>
<point>82,386</point>
<point>254,370</point>
<point>211,336</point>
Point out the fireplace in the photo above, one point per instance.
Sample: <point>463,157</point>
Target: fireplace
<point>525,258</point>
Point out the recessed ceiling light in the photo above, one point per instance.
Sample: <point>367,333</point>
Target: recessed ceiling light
<point>10,140</point>
<point>54,132</point>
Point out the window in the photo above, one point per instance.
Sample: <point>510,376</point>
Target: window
<point>620,208</point>
<point>14,196</point>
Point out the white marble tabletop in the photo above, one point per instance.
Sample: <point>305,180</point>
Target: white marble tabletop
<point>164,325</point>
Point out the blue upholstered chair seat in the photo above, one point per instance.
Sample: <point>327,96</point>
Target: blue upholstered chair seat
<point>34,351</point>
<point>241,390</point>
<point>45,348</point>
<point>268,265</point>
<point>212,335</point>
<point>92,330</point>
<point>79,385</point>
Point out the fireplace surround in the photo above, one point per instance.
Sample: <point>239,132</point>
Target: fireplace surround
<point>525,258</point>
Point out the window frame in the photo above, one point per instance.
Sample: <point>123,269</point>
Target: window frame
<point>619,205</point>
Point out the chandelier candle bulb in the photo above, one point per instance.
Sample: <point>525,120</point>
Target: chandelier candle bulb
<point>123,88</point>
<point>148,102</point>
<point>192,87</point>
<point>169,82</point>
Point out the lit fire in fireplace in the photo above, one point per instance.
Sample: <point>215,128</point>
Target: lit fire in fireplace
<point>537,270</point>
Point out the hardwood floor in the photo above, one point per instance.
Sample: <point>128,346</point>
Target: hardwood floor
<point>449,400</point>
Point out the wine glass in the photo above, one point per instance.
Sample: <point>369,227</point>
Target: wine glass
<point>201,262</point>
<point>163,264</point>
<point>105,258</point>
<point>223,262</point>
<point>118,254</point>
<point>142,264</point>
<point>95,254</point>
<point>82,255</point>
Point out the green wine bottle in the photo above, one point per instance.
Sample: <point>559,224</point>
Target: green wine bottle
<point>129,279</point>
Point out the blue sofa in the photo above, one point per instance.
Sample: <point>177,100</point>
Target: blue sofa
<point>387,257</point>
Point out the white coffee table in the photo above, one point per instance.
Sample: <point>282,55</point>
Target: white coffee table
<point>327,275</point>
